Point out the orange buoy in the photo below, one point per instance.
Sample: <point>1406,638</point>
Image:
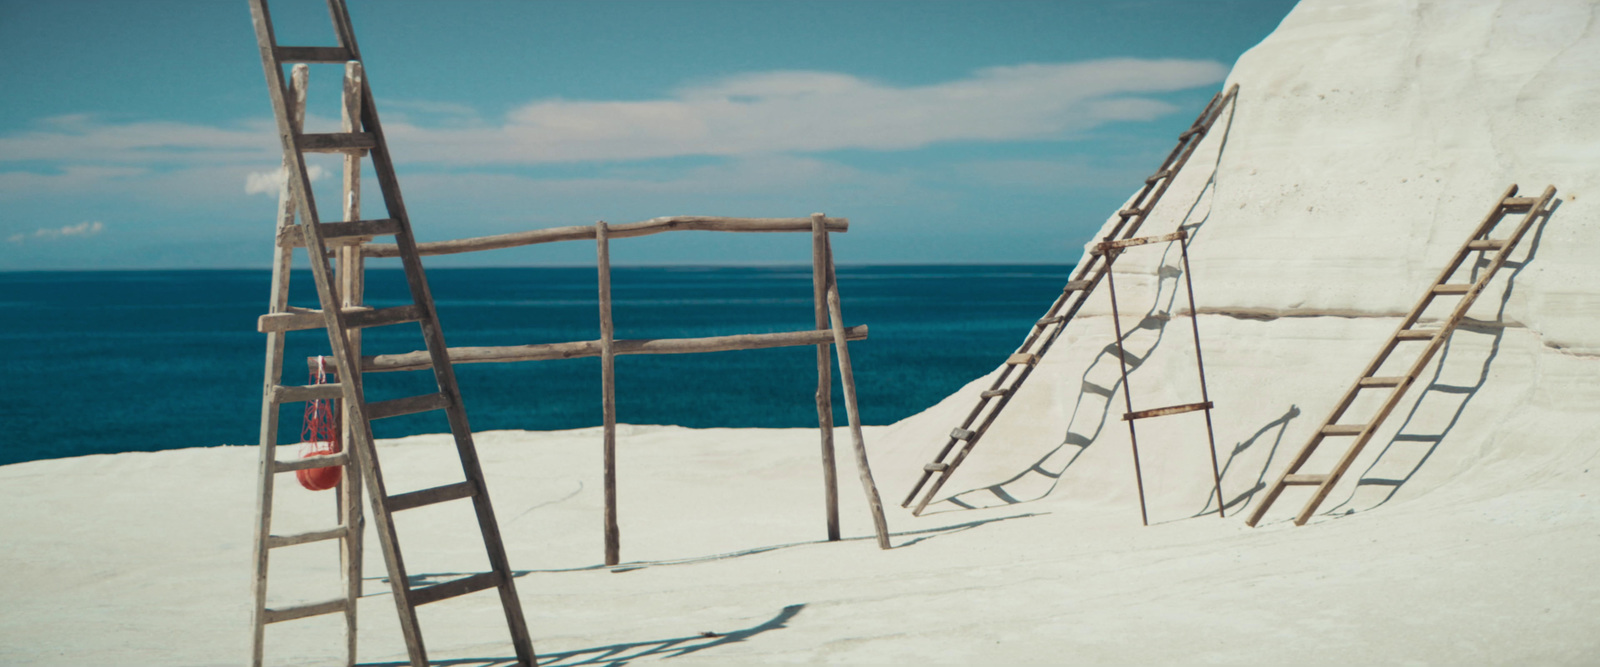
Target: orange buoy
<point>319,479</point>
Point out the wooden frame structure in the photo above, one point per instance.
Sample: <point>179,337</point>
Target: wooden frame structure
<point>342,317</point>
<point>1111,250</point>
<point>1479,241</point>
<point>1044,333</point>
<point>830,331</point>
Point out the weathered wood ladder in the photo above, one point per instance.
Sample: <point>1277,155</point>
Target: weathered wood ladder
<point>1408,331</point>
<point>1111,250</point>
<point>343,322</point>
<point>1049,328</point>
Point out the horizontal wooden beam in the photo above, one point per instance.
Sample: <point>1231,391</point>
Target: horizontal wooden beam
<point>586,232</point>
<point>414,361</point>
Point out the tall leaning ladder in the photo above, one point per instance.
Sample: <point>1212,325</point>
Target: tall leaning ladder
<point>1408,331</point>
<point>341,323</point>
<point>1045,332</point>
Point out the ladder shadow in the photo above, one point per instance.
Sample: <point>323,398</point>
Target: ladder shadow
<point>1047,465</point>
<point>622,654</point>
<point>1281,425</point>
<point>1497,329</point>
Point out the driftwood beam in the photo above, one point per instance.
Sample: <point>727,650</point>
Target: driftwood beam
<point>586,232</point>
<point>413,361</point>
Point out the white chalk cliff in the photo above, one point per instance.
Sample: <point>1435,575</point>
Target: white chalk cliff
<point>1368,139</point>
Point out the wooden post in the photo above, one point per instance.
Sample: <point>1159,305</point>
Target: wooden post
<point>819,293</point>
<point>352,288</point>
<point>847,378</point>
<point>608,401</point>
<point>282,262</point>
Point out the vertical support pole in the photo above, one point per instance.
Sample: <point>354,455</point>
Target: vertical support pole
<point>282,261</point>
<point>1122,362</point>
<point>847,379</point>
<point>352,288</point>
<point>1200,364</point>
<point>819,294</point>
<point>608,401</point>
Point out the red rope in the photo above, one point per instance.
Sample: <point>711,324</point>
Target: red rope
<point>320,436</point>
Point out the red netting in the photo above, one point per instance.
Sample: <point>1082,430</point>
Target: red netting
<point>319,436</point>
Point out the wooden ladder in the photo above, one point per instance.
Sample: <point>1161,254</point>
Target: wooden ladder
<point>1044,333</point>
<point>1111,250</point>
<point>364,134</point>
<point>1407,332</point>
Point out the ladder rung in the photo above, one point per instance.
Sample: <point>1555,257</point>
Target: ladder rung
<point>1050,320</point>
<point>1344,429</point>
<point>961,434</point>
<point>438,494</point>
<point>309,392</point>
<point>1486,244</point>
<point>1076,286</point>
<point>993,393</point>
<point>1416,334</point>
<point>299,319</point>
<point>1129,212</point>
<point>1162,412</point>
<point>349,228</point>
<point>1143,240</point>
<point>1462,288</point>
<point>1316,480</point>
<point>453,588</point>
<point>275,541</point>
<point>309,462</point>
<point>409,405</point>
<point>1157,176</point>
<point>337,142</point>
<point>1022,358</point>
<point>312,54</point>
<point>936,467</point>
<point>302,611</point>
<point>1519,203</point>
<point>1382,381</point>
<point>1198,129</point>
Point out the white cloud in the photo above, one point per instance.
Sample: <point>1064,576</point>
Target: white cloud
<point>66,231</point>
<point>776,112</point>
<point>269,182</point>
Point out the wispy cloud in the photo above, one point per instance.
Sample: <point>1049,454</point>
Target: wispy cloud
<point>82,229</point>
<point>795,111</point>
<point>270,182</point>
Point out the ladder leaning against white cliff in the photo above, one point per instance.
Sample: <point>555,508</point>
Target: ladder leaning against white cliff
<point>362,134</point>
<point>1045,331</point>
<point>1408,331</point>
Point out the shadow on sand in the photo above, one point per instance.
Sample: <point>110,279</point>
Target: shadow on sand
<point>622,654</point>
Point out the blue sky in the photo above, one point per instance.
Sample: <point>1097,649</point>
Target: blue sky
<point>139,134</point>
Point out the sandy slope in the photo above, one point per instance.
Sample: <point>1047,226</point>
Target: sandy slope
<point>1368,139</point>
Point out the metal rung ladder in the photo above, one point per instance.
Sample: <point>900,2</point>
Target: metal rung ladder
<point>1508,203</point>
<point>343,317</point>
<point>1076,292</point>
<point>1111,250</point>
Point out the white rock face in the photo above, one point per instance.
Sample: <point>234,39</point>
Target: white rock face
<point>1368,140</point>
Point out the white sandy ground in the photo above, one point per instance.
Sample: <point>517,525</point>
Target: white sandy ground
<point>1368,139</point>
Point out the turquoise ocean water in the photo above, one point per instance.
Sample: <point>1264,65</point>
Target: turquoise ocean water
<point>118,361</point>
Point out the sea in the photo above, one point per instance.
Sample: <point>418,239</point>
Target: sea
<point>101,362</point>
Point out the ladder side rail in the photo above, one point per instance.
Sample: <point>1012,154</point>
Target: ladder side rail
<point>433,337</point>
<point>1200,367</point>
<point>278,301</point>
<point>1127,390</point>
<point>352,288</point>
